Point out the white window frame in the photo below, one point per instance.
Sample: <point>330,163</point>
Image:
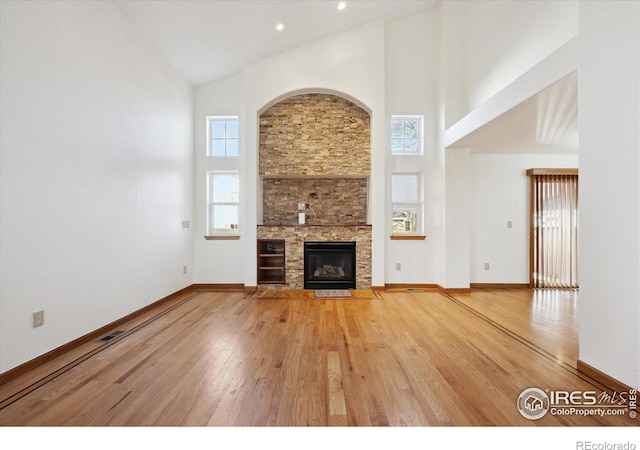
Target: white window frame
<point>419,205</point>
<point>405,117</point>
<point>211,204</point>
<point>211,119</point>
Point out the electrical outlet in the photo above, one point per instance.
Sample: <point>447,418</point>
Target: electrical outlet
<point>486,266</point>
<point>185,224</point>
<point>509,224</point>
<point>38,319</point>
<point>184,269</point>
<point>398,266</point>
<point>302,206</point>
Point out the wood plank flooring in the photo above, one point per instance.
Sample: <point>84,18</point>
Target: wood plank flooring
<point>221,359</point>
<point>547,318</point>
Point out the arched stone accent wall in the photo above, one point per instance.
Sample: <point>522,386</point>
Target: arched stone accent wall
<point>316,148</point>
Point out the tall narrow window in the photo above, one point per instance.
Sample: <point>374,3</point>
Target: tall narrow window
<point>223,188</point>
<point>406,135</point>
<point>222,136</point>
<point>406,203</point>
<point>554,228</point>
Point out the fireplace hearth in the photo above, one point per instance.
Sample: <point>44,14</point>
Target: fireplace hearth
<point>329,265</point>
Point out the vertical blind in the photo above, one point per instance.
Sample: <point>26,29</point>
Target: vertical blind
<point>554,237</point>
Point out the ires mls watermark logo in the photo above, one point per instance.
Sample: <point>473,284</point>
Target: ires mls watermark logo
<point>534,403</point>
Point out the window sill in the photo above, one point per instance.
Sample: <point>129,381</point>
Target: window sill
<point>409,237</point>
<point>223,238</point>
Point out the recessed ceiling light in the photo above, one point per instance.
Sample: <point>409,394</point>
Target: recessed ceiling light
<point>342,5</point>
<point>280,27</point>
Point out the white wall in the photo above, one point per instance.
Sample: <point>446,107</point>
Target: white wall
<point>349,64</point>
<point>500,193</point>
<point>96,174</point>
<point>411,88</point>
<point>457,231</point>
<point>489,44</point>
<point>217,262</point>
<point>609,115</point>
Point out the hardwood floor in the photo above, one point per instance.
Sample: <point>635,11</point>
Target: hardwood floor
<point>221,359</point>
<point>546,318</point>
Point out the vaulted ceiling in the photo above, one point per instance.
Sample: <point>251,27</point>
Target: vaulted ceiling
<point>206,40</point>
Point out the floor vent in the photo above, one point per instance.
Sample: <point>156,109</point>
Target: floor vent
<point>111,336</point>
<point>414,290</point>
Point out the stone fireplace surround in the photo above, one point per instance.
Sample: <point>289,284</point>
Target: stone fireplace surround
<point>315,148</point>
<point>295,237</point>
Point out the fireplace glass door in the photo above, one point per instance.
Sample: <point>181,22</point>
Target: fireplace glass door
<point>329,265</point>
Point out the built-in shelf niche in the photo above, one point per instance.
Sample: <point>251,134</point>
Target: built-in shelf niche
<point>271,261</point>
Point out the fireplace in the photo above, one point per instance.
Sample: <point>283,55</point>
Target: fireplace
<point>329,265</point>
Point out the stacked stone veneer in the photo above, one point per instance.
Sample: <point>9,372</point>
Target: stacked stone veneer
<point>315,148</point>
<point>314,134</point>
<point>333,200</point>
<point>295,236</point>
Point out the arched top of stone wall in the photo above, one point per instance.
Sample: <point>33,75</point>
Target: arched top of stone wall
<point>315,134</point>
<point>326,91</point>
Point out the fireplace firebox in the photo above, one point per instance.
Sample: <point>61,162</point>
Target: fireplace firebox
<point>329,265</point>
